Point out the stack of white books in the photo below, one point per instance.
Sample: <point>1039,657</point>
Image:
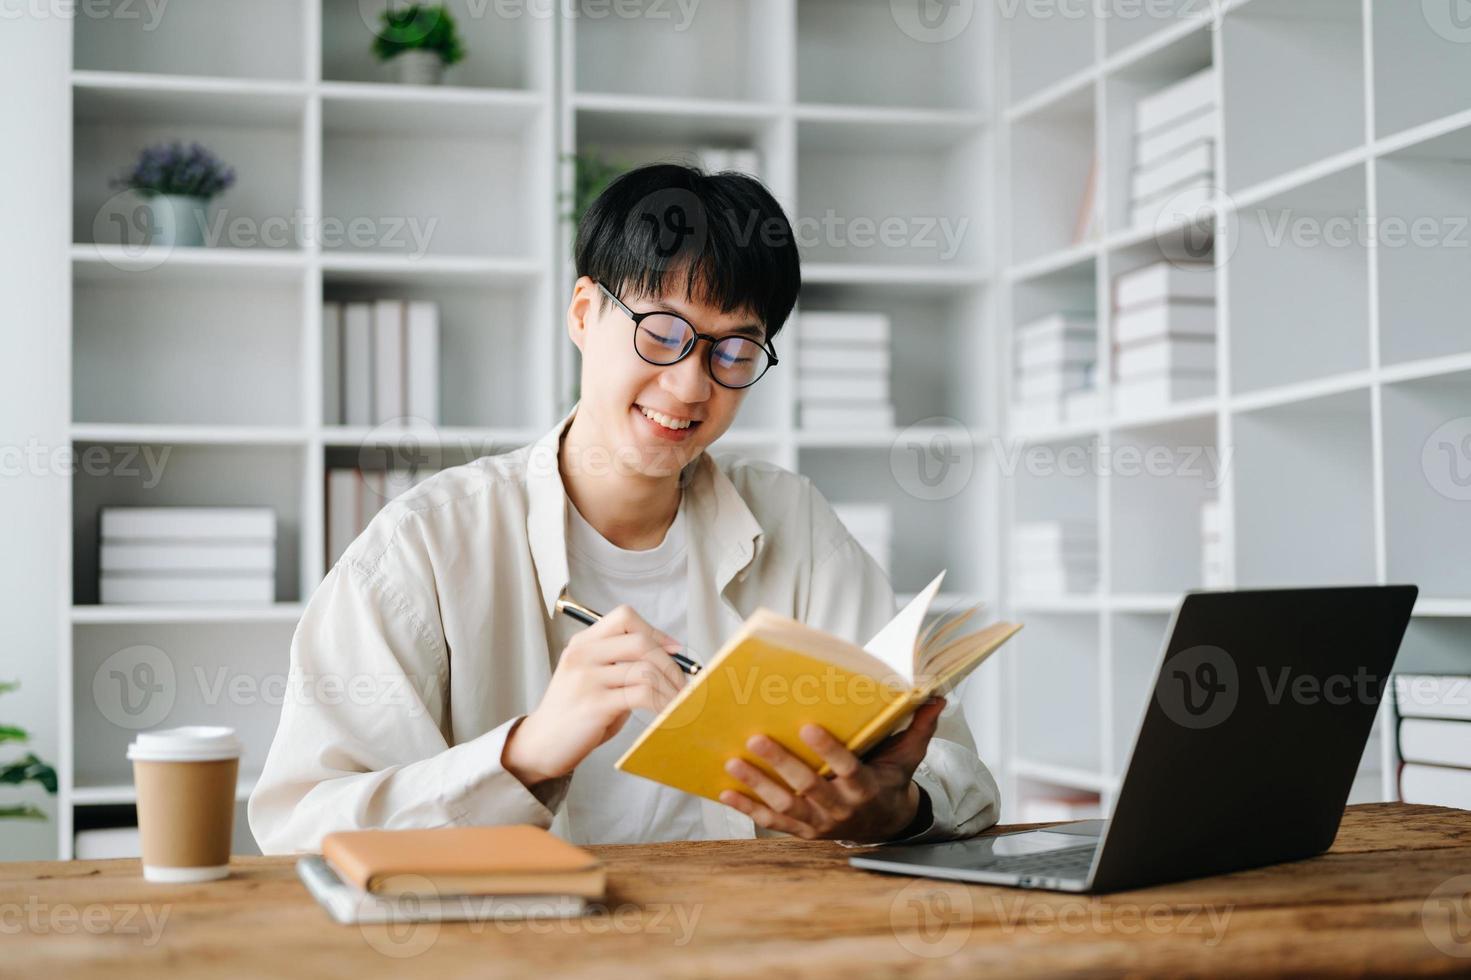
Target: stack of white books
<point>843,370</point>
<point>1212,549</point>
<point>188,554</point>
<point>380,362</point>
<point>1054,557</point>
<point>354,497</point>
<point>1164,336</point>
<point>872,525</point>
<point>717,159</point>
<point>1174,149</point>
<point>1055,360</point>
<point>1435,738</point>
<point>107,842</point>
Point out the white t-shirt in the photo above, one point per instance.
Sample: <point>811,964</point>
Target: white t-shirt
<point>603,805</point>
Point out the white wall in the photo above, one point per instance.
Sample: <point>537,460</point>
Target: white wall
<point>34,60</point>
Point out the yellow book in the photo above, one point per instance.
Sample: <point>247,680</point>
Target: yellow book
<point>776,675</point>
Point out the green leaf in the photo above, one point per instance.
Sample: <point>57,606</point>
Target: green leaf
<point>28,770</point>
<point>7,686</point>
<point>13,733</point>
<point>23,812</point>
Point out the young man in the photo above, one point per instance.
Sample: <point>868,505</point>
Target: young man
<point>460,697</point>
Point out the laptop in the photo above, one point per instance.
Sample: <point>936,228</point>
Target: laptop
<point>1251,738</point>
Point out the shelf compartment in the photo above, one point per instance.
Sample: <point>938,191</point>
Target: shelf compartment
<point>1422,64</point>
<point>1122,91</point>
<point>718,51</point>
<point>890,194</point>
<point>488,334</point>
<point>1298,285</point>
<point>928,534</point>
<point>196,674</point>
<point>1137,642</point>
<point>925,65</point>
<point>1294,86</point>
<point>187,346</point>
<point>131,474</point>
<point>629,137</point>
<point>406,180</point>
<point>1160,476</point>
<point>936,349</point>
<point>1046,44</point>
<point>1424,198</point>
<point>1057,678</point>
<point>506,46</point>
<point>1427,484</point>
<point>1304,493</point>
<point>260,136</point>
<point>213,37</point>
<point>1053,160</point>
<point>1055,481</point>
<point>1134,26</point>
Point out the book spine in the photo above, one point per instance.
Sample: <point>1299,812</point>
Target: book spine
<point>182,556</point>
<point>357,364</point>
<point>1178,101</point>
<point>388,361</point>
<point>201,523</point>
<point>331,363</point>
<point>423,361</point>
<point>121,589</point>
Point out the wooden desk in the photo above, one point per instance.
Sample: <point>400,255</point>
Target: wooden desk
<point>781,907</point>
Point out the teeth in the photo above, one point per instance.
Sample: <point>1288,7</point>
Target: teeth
<point>665,420</point>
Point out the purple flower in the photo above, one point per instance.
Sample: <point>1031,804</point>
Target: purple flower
<point>172,168</point>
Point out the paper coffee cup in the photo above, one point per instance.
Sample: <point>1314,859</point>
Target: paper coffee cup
<point>185,778</point>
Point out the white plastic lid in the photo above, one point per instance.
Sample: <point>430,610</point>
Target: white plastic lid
<point>192,743</point>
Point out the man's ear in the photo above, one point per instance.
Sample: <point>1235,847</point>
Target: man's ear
<point>583,309</point>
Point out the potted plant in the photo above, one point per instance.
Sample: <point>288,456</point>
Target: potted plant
<point>177,184</point>
<point>420,40</point>
<point>28,769</point>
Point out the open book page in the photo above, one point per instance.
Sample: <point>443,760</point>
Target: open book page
<point>896,644</point>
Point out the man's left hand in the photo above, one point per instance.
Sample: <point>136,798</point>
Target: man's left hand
<point>865,801</point>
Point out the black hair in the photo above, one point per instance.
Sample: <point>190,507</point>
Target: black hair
<point>724,233</point>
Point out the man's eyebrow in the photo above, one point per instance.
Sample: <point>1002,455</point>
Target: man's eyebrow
<point>746,329</point>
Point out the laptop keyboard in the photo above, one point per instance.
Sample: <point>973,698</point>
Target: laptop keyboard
<point>1071,862</point>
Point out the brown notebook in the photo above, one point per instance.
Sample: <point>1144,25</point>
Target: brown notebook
<point>515,860</point>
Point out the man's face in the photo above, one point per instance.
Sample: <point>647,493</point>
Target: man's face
<point>620,390</point>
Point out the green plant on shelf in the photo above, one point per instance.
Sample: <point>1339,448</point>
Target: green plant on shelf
<point>418,27</point>
<point>592,172</point>
<point>28,769</point>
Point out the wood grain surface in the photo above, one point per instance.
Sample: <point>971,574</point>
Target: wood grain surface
<point>1392,896</point>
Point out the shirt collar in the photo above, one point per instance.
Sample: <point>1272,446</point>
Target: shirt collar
<point>723,533</point>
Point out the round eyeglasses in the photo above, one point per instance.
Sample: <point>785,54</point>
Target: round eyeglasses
<point>663,338</point>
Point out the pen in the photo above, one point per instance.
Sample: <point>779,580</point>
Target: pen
<point>587,617</point>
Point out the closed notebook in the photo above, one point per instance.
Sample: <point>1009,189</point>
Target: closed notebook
<point>776,675</point>
<point>514,860</point>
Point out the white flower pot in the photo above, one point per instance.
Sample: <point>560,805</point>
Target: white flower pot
<point>177,220</point>
<point>419,68</point>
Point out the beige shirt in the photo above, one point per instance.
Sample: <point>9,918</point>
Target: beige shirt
<point>433,635</point>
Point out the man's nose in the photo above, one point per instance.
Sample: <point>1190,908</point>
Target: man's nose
<point>688,380</point>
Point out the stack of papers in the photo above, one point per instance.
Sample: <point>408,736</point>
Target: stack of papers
<point>1174,150</point>
<point>1164,336</point>
<point>188,554</point>
<point>843,370</point>
<point>1055,361</point>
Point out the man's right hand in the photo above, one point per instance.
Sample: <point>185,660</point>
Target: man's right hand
<point>606,671</point>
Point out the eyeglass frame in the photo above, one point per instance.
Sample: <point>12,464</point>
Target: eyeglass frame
<point>638,318</point>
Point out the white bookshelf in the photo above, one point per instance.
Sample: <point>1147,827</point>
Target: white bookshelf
<point>795,81</point>
<point>214,354</point>
<point>1335,363</point>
